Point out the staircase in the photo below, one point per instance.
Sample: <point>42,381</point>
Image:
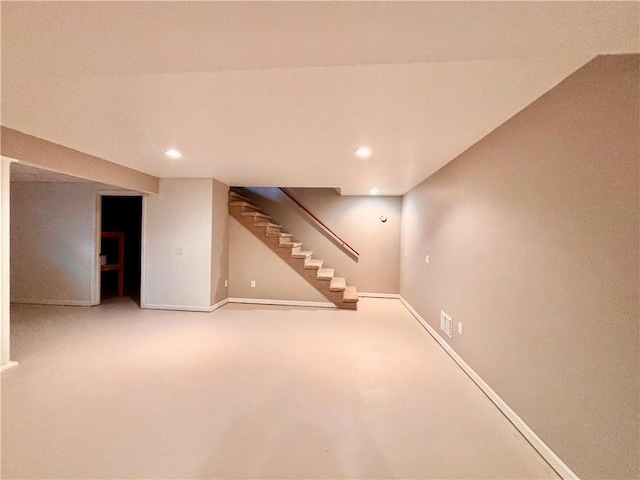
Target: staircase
<point>312,269</point>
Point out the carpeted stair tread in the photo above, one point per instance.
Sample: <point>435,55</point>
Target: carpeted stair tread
<point>279,234</point>
<point>256,215</point>
<point>325,274</point>
<point>350,295</point>
<point>236,195</point>
<point>242,203</point>
<point>290,244</point>
<point>302,254</point>
<point>338,284</point>
<point>313,264</point>
<point>267,224</point>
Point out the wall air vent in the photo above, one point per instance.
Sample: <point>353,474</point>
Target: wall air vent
<point>446,323</point>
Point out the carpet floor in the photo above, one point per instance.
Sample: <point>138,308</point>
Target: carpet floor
<point>247,391</point>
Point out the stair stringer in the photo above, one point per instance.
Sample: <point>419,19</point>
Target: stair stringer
<point>273,242</point>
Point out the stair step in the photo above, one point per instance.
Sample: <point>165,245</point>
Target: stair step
<point>290,244</point>
<point>325,274</point>
<point>256,215</point>
<point>242,203</point>
<point>302,254</point>
<point>267,224</point>
<point>350,295</point>
<point>338,284</point>
<point>233,194</point>
<point>279,234</point>
<point>312,264</point>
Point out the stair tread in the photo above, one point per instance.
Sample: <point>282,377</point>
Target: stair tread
<point>279,234</point>
<point>290,244</point>
<point>338,284</point>
<point>237,195</point>
<point>255,214</point>
<point>313,264</point>
<point>242,203</point>
<point>267,224</point>
<point>325,274</point>
<point>350,295</point>
<point>302,254</point>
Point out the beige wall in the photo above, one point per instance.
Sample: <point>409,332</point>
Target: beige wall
<point>354,218</point>
<point>533,242</point>
<point>220,242</point>
<point>177,245</point>
<point>250,259</point>
<point>53,243</point>
<point>47,155</point>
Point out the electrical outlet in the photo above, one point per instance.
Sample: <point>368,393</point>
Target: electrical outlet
<point>226,283</point>
<point>459,328</point>
<point>406,253</point>
<point>426,259</point>
<point>253,283</point>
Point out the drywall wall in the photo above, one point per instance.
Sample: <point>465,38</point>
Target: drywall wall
<point>533,242</point>
<point>355,218</point>
<point>220,242</point>
<point>53,243</point>
<point>41,153</point>
<point>250,259</point>
<point>177,245</point>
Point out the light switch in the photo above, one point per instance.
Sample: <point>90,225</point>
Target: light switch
<point>426,259</point>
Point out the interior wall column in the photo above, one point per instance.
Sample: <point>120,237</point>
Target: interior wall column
<point>5,340</point>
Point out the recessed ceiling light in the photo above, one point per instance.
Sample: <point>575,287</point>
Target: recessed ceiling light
<point>374,191</point>
<point>173,153</point>
<point>363,152</point>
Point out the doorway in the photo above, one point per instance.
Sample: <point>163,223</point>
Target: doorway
<point>120,247</point>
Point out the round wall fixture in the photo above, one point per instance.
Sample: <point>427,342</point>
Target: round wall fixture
<point>383,219</point>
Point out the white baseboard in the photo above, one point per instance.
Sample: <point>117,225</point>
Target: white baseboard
<point>543,449</point>
<point>8,365</point>
<point>286,303</point>
<point>185,308</point>
<point>62,303</point>
<point>221,303</point>
<point>179,308</point>
<point>378,295</point>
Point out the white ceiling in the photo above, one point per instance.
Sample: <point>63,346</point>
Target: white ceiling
<point>281,94</point>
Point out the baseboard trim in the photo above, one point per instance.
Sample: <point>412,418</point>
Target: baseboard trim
<point>179,308</point>
<point>284,303</point>
<point>543,449</point>
<point>61,303</point>
<point>221,303</point>
<point>378,295</point>
<point>7,366</point>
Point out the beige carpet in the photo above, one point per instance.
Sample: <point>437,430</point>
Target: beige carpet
<point>246,392</point>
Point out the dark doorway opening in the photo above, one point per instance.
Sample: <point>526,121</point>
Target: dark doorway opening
<point>121,235</point>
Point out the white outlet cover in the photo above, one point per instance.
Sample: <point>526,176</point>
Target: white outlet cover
<point>426,259</point>
<point>459,328</point>
<point>253,283</point>
<point>226,283</point>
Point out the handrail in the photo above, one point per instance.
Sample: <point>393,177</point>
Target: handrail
<point>335,235</point>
